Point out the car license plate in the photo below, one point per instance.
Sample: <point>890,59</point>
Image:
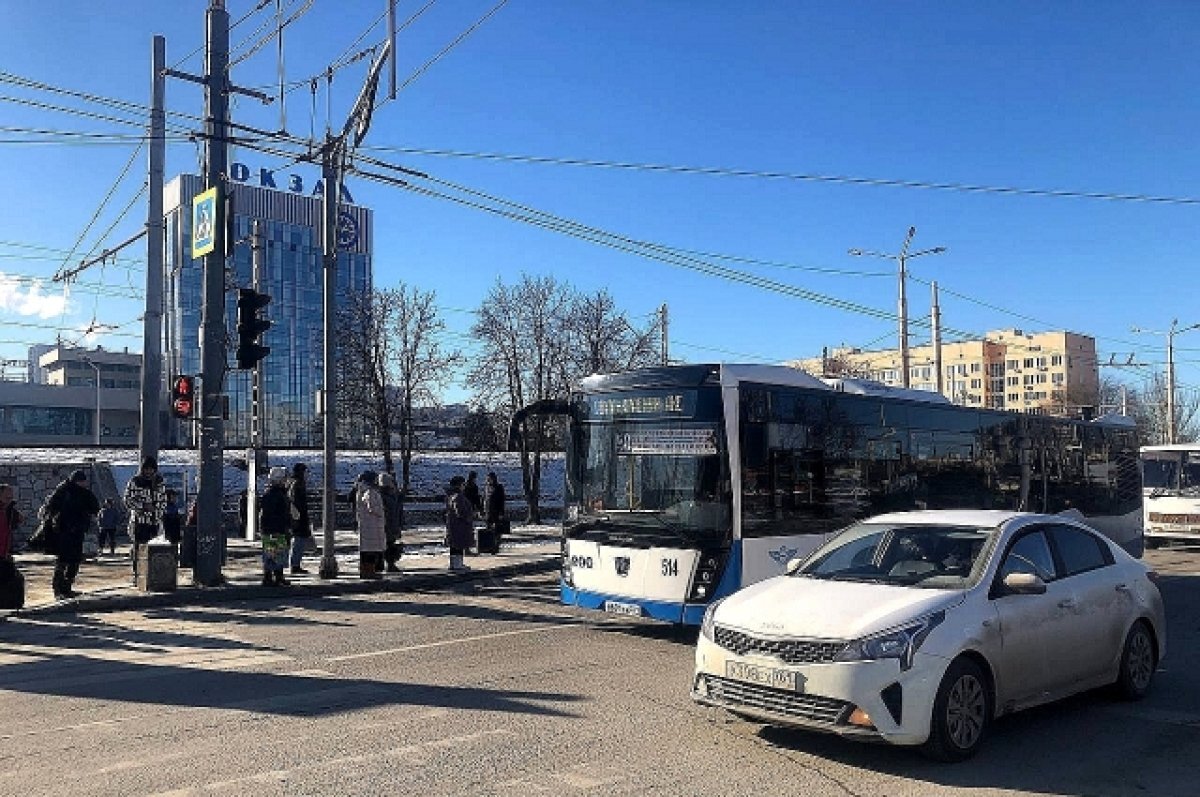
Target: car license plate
<point>627,609</point>
<point>763,676</point>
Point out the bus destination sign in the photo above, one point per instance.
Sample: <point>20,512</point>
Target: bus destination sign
<point>644,405</point>
<point>678,442</point>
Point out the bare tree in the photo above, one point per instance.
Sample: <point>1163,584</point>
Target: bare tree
<point>602,339</point>
<point>364,352</point>
<point>422,363</point>
<point>524,332</point>
<point>1151,411</point>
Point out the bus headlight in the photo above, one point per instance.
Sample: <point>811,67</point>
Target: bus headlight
<point>708,573</point>
<point>901,644</point>
<point>568,577</point>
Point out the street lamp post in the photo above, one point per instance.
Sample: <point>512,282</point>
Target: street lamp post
<point>96,368</point>
<point>1170,334</point>
<point>902,303</point>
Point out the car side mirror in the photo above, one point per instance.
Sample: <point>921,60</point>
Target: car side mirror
<point>1024,584</point>
<point>793,565</point>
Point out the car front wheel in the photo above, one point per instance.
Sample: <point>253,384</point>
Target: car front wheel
<point>1138,661</point>
<point>960,713</point>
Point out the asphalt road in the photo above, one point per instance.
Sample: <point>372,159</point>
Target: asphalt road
<point>495,689</point>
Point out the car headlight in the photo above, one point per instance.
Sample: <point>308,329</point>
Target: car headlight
<point>706,625</point>
<point>901,643</point>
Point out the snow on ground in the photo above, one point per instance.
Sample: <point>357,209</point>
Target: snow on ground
<point>431,470</point>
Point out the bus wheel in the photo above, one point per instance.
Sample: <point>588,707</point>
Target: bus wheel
<point>1153,542</point>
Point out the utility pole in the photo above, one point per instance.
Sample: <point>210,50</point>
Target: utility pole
<point>333,162</point>
<point>666,352</point>
<point>210,494</point>
<point>902,309</point>
<point>1171,332</point>
<point>256,406</point>
<point>935,323</point>
<point>152,380</point>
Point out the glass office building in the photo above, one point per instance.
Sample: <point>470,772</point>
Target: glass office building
<point>293,277</point>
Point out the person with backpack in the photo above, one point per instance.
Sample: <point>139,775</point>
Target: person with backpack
<point>71,506</point>
<point>146,501</point>
<point>274,525</point>
<point>301,525</point>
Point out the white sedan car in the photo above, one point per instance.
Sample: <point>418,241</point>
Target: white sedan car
<point>919,628</point>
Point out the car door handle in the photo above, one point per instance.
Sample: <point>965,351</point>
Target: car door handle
<point>1066,603</point>
<point>1122,588</point>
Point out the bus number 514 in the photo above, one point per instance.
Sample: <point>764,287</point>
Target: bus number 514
<point>670,567</point>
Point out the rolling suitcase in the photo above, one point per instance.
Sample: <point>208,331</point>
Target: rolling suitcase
<point>12,585</point>
<point>487,540</point>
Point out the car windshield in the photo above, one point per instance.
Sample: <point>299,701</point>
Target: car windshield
<point>924,555</point>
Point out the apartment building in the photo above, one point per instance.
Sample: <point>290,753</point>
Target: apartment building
<point>1047,372</point>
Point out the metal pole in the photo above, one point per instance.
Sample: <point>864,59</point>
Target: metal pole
<point>903,314</point>
<point>1171,382</point>
<point>666,352</point>
<point>210,497</point>
<point>256,407</point>
<point>936,325</point>
<point>96,368</point>
<point>331,174</point>
<point>152,379</point>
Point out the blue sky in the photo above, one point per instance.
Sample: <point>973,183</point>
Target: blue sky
<point>1095,97</point>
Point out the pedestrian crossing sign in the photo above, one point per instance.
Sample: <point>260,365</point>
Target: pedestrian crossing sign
<point>204,223</point>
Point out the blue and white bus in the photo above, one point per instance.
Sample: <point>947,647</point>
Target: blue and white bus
<point>686,483</point>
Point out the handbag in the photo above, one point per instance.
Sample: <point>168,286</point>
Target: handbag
<point>12,585</point>
<point>45,537</point>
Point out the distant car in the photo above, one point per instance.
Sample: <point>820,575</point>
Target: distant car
<point>919,628</point>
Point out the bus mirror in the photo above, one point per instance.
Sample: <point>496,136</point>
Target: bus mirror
<point>793,565</point>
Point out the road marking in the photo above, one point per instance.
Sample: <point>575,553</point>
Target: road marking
<point>447,642</point>
<point>413,755</point>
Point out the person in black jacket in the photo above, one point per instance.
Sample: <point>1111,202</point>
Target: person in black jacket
<point>275,524</point>
<point>301,525</point>
<point>72,505</point>
<point>496,516</point>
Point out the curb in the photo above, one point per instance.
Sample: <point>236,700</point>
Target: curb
<point>199,596</point>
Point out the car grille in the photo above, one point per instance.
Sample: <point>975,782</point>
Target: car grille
<point>789,651</point>
<point>811,708</point>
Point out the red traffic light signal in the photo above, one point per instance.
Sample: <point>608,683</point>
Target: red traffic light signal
<point>183,396</point>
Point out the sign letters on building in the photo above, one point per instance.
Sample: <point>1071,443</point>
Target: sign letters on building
<point>241,173</point>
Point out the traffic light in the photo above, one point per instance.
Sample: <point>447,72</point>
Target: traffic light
<point>183,396</point>
<point>250,327</point>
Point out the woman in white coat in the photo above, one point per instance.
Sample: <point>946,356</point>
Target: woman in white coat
<point>372,533</point>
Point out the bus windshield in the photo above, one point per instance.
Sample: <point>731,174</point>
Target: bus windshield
<point>1171,473</point>
<point>654,482</point>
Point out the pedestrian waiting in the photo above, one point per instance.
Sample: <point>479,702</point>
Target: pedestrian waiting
<point>145,500</point>
<point>301,525</point>
<point>372,530</point>
<point>393,520</point>
<point>274,526</point>
<point>72,506</point>
<point>460,531</point>
<point>496,518</point>
<point>109,521</point>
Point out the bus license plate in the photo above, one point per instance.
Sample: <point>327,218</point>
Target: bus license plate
<point>763,676</point>
<point>627,609</point>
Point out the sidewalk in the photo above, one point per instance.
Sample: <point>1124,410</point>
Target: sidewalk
<point>106,584</point>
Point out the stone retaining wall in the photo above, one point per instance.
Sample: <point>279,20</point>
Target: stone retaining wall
<point>33,482</point>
